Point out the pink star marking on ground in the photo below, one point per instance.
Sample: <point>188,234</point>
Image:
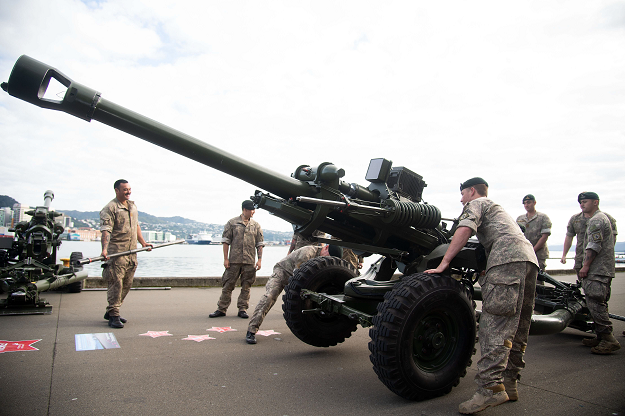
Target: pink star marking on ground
<point>13,346</point>
<point>221,329</point>
<point>197,338</point>
<point>267,333</point>
<point>156,334</point>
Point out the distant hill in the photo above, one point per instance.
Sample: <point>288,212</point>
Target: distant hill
<point>7,201</point>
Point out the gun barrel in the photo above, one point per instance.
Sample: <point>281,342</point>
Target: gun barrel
<point>48,196</point>
<point>30,78</point>
<point>125,253</point>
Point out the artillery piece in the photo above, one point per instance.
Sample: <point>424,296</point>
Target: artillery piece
<point>28,263</point>
<point>423,327</point>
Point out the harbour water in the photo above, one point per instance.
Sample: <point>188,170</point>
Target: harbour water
<point>188,260</point>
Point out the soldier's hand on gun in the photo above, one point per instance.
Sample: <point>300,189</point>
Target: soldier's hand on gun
<point>104,254</point>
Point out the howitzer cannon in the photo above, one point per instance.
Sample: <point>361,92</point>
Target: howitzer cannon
<point>28,263</point>
<point>423,327</point>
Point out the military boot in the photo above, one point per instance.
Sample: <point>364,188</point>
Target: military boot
<point>592,342</point>
<point>484,398</point>
<point>608,345</point>
<point>510,385</point>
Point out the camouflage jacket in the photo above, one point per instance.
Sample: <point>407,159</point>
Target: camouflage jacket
<point>121,223</point>
<point>297,258</point>
<point>243,239</point>
<point>501,237</point>
<point>301,241</point>
<point>600,239</point>
<point>577,227</point>
<point>535,227</point>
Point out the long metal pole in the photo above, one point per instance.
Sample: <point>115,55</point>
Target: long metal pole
<point>125,253</point>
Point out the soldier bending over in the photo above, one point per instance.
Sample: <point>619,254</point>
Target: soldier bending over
<point>282,272</point>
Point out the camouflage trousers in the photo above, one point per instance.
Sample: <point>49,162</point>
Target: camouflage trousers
<point>247,272</point>
<point>508,293</point>
<point>597,290</point>
<point>119,274</point>
<point>276,283</point>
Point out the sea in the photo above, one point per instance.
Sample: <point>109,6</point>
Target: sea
<point>191,260</point>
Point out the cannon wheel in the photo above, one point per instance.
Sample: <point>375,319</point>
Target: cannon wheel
<point>423,336</point>
<point>323,275</point>
<point>75,287</point>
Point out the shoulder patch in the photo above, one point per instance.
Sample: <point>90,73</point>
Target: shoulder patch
<point>596,237</point>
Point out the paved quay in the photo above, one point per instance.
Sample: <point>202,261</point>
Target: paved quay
<point>280,375</point>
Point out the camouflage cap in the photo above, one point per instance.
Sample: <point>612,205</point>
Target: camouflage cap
<point>529,197</point>
<point>248,204</point>
<point>472,182</point>
<point>587,195</point>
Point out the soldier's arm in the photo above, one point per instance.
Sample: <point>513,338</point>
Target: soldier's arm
<point>141,240</point>
<point>105,239</point>
<point>541,242</point>
<point>259,250</point>
<point>568,240</point>
<point>588,259</point>
<point>225,247</point>
<point>461,237</point>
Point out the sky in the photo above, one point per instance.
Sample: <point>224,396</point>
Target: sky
<point>528,95</point>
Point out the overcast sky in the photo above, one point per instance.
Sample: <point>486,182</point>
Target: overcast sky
<point>528,95</point>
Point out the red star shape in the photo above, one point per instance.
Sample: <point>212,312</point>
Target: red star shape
<point>197,338</point>
<point>156,334</point>
<point>267,333</point>
<point>221,329</point>
<point>13,346</point>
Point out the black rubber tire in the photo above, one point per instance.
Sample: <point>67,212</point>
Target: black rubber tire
<point>75,287</point>
<point>423,336</point>
<point>323,275</point>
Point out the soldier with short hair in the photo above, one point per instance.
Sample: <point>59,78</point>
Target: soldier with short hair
<point>597,272</point>
<point>577,227</point>
<point>119,224</point>
<point>242,240</point>
<point>282,272</point>
<point>508,290</point>
<point>537,229</point>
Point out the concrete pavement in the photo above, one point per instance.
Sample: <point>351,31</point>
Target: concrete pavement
<point>278,376</point>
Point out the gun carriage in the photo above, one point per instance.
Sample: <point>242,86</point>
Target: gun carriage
<point>422,327</point>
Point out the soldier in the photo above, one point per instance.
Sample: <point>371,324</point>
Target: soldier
<point>242,239</point>
<point>577,227</point>
<point>353,259</point>
<point>508,290</point>
<point>282,272</point>
<point>537,229</point>
<point>597,272</point>
<point>119,224</point>
<point>299,241</point>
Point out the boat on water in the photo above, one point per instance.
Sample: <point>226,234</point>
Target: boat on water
<point>200,238</point>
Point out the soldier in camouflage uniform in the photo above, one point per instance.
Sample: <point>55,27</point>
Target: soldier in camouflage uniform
<point>298,241</point>
<point>577,227</point>
<point>282,272</point>
<point>537,229</point>
<point>353,259</point>
<point>597,273</point>
<point>242,239</point>
<point>119,224</point>
<point>508,290</point>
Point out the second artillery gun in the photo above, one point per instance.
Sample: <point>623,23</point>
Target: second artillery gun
<point>422,327</point>
<point>28,263</point>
